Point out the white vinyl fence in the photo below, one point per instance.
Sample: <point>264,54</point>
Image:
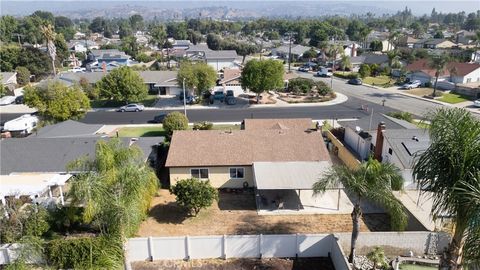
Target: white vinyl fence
<point>236,246</point>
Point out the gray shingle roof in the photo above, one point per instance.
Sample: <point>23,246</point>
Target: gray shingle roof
<point>370,58</point>
<point>53,154</point>
<point>407,143</point>
<point>223,54</point>
<point>156,77</point>
<point>68,128</point>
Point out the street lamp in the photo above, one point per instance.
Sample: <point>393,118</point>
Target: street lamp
<point>184,99</point>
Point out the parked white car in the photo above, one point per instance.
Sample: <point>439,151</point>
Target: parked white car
<point>7,100</point>
<point>24,124</point>
<point>476,103</point>
<point>77,69</point>
<point>412,84</point>
<point>324,72</point>
<point>131,108</point>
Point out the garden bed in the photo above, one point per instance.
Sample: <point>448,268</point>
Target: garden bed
<point>292,98</point>
<point>383,81</point>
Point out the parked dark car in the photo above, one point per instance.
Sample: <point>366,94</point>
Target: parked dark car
<point>355,81</point>
<point>303,69</point>
<point>19,100</point>
<point>190,100</point>
<point>158,118</point>
<point>231,100</point>
<point>219,95</point>
<point>230,93</point>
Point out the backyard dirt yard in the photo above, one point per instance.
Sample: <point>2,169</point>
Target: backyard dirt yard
<point>235,213</point>
<point>240,264</point>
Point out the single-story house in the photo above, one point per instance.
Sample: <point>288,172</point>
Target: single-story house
<point>9,80</point>
<point>360,135</point>
<point>105,60</point>
<point>221,59</point>
<point>163,82</point>
<point>274,156</point>
<point>369,58</point>
<point>53,154</point>
<point>465,37</point>
<point>181,44</point>
<point>454,73</point>
<point>230,80</point>
<point>434,43</point>
<point>297,51</point>
<point>400,147</point>
<point>79,35</point>
<point>82,45</point>
<point>350,47</point>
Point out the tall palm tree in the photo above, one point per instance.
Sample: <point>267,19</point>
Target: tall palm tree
<point>439,63</point>
<point>49,35</point>
<point>447,169</point>
<point>372,181</point>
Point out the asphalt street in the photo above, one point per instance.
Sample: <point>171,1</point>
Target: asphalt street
<point>358,96</point>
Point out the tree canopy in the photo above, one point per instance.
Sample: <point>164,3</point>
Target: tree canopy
<point>198,76</point>
<point>175,121</point>
<point>193,194</point>
<point>122,84</point>
<point>262,75</point>
<point>57,102</point>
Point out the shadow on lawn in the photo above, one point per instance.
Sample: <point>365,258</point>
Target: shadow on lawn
<point>236,200</point>
<point>169,213</point>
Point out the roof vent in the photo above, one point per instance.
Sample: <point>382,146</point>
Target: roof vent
<point>415,138</point>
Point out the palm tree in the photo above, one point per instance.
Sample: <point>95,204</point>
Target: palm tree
<point>448,169</point>
<point>346,63</point>
<point>49,35</point>
<point>438,63</point>
<point>334,50</point>
<point>373,181</point>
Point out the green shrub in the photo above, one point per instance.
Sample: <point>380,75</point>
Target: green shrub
<point>348,75</point>
<point>300,85</point>
<point>401,115</point>
<point>85,253</point>
<point>322,88</point>
<point>194,194</point>
<point>175,121</point>
<point>23,76</point>
<point>203,126</point>
<point>364,70</point>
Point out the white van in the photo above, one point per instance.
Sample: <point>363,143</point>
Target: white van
<point>324,72</point>
<point>23,124</point>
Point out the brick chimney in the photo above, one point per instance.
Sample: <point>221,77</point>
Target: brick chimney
<point>379,143</point>
<point>354,50</point>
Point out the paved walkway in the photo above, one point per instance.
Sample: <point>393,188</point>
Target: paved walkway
<point>419,207</point>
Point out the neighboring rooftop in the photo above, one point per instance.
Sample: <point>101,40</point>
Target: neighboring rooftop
<point>370,58</point>
<point>287,123</point>
<point>33,154</point>
<point>406,143</point>
<point>222,54</point>
<point>109,54</point>
<point>243,147</point>
<point>6,76</point>
<point>462,69</point>
<point>68,128</point>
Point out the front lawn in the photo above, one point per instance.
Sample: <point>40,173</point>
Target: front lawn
<point>384,81</point>
<point>453,98</point>
<point>153,131</point>
<point>104,103</point>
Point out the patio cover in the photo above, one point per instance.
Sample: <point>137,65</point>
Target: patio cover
<point>30,184</point>
<point>288,175</point>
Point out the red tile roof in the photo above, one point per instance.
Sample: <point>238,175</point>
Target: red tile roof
<point>423,66</point>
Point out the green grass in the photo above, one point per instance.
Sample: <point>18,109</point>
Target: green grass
<point>103,103</point>
<point>154,131</point>
<point>384,81</point>
<point>407,266</point>
<point>452,98</point>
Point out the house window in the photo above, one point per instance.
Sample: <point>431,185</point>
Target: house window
<point>199,173</point>
<point>469,80</point>
<point>237,173</point>
<point>390,151</point>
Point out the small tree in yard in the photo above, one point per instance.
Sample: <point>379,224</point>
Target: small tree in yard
<point>364,70</point>
<point>122,84</point>
<point>198,76</point>
<point>194,194</point>
<point>57,102</point>
<point>377,256</point>
<point>175,121</point>
<point>23,76</point>
<point>262,75</point>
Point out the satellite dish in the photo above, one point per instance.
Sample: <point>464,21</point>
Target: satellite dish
<point>358,129</point>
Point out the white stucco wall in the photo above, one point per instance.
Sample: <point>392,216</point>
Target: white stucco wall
<point>358,144</point>
<point>221,64</point>
<point>473,76</point>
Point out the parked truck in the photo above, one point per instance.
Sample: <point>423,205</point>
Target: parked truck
<point>22,125</point>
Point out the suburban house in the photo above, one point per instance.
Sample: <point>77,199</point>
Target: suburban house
<point>279,157</point>
<point>79,35</point>
<point>82,46</point>
<point>350,47</point>
<point>230,80</point>
<point>465,37</point>
<point>69,128</point>
<point>382,37</point>
<point>105,60</point>
<point>9,80</point>
<point>221,59</point>
<point>158,82</point>
<point>359,134</point>
<point>181,44</point>
<point>401,147</point>
<point>434,43</point>
<point>369,58</point>
<point>297,51</point>
<point>454,73</point>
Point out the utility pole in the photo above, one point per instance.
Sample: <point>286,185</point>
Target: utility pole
<point>289,49</point>
<point>184,99</point>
